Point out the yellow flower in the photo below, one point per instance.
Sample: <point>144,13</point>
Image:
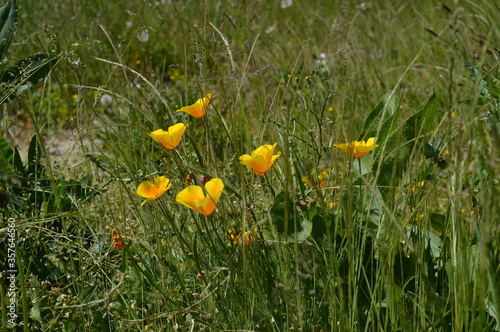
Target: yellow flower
<point>358,148</point>
<point>314,181</point>
<point>199,108</point>
<point>194,197</point>
<point>153,190</point>
<point>235,237</point>
<point>171,138</point>
<point>261,159</point>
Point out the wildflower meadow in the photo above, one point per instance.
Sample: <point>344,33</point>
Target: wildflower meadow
<point>298,165</point>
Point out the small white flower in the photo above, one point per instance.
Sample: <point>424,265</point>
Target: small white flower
<point>129,24</point>
<point>270,29</point>
<point>286,3</point>
<point>77,62</point>
<point>136,85</point>
<point>106,99</point>
<point>143,36</point>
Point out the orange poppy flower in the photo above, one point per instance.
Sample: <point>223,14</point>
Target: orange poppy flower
<point>195,198</point>
<point>198,109</point>
<point>261,159</point>
<point>358,149</point>
<point>153,190</point>
<point>171,138</point>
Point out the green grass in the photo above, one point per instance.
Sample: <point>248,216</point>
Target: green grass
<point>404,239</point>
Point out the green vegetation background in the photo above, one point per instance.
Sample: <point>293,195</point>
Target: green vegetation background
<point>404,239</point>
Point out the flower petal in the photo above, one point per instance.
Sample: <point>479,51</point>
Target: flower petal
<point>147,190</point>
<point>358,149</point>
<point>261,159</point>
<point>169,139</point>
<point>344,147</point>
<point>194,198</point>
<point>153,189</point>
<point>214,188</point>
<point>162,137</point>
<point>257,164</point>
<point>198,109</point>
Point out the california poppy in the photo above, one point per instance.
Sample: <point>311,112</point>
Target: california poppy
<point>153,189</point>
<point>358,149</point>
<point>198,109</point>
<point>195,198</point>
<point>261,159</point>
<point>171,138</point>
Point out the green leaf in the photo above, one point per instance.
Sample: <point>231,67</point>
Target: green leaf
<point>17,163</point>
<point>306,227</point>
<point>8,19</point>
<point>35,313</point>
<point>491,309</point>
<point>400,143</point>
<point>365,163</point>
<point>24,74</point>
<point>482,85</point>
<point>438,222</point>
<point>33,161</point>
<point>435,244</point>
<point>282,214</point>
<point>288,220</point>
<point>432,150</point>
<point>6,155</point>
<point>381,116</point>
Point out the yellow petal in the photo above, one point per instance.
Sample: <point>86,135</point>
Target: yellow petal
<point>194,198</point>
<point>214,188</point>
<point>162,137</point>
<point>153,189</point>
<point>305,179</point>
<point>344,147</point>
<point>257,164</point>
<point>261,159</point>
<point>371,141</point>
<point>362,151</point>
<point>147,190</point>
<point>198,109</point>
<point>169,139</point>
<point>358,149</point>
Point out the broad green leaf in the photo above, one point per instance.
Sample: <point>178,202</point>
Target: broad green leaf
<point>492,310</point>
<point>6,155</point>
<point>35,312</point>
<point>482,85</point>
<point>33,164</point>
<point>365,163</point>
<point>306,228</point>
<point>285,217</point>
<point>24,74</point>
<point>282,214</point>
<point>8,19</point>
<point>17,163</point>
<point>438,222</point>
<point>382,115</point>
<point>432,150</point>
<point>435,244</point>
<point>401,143</point>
